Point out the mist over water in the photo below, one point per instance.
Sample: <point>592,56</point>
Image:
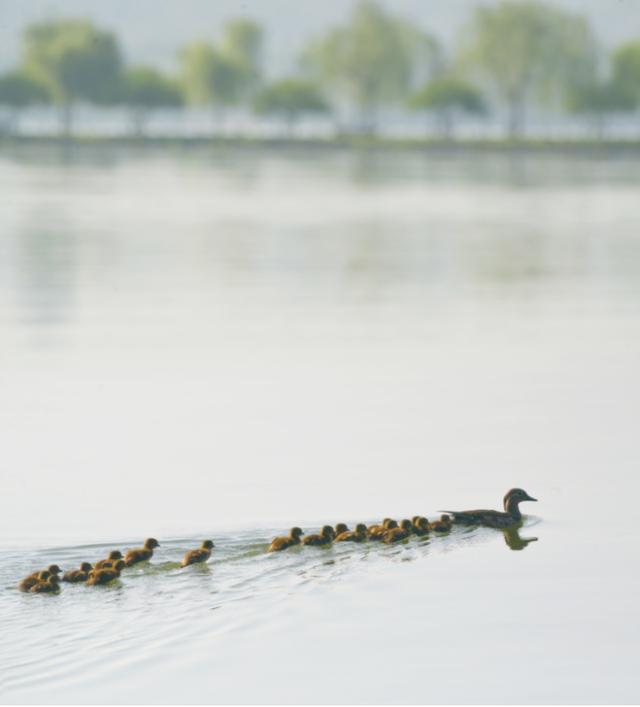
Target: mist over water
<point>225,343</point>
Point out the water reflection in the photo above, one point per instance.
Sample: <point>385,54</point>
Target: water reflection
<point>514,540</point>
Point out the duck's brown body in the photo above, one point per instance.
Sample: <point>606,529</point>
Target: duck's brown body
<point>141,554</point>
<point>202,554</point>
<point>442,525</point>
<point>79,575</point>
<point>105,576</point>
<point>48,586</point>
<point>340,528</point>
<point>109,562</point>
<point>376,532</point>
<point>496,519</point>
<point>28,582</point>
<point>394,535</point>
<point>420,526</point>
<point>358,535</point>
<point>285,541</point>
<point>324,537</point>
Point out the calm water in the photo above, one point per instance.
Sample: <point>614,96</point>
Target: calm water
<point>223,344</point>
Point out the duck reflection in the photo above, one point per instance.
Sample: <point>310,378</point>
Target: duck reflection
<point>513,538</point>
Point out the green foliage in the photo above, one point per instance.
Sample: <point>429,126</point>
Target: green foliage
<point>145,87</point>
<point>626,70</point>
<point>448,93</point>
<point>370,60</point>
<point>74,60</point>
<point>290,97</point>
<point>18,90</point>
<point>530,50</point>
<point>242,44</point>
<point>209,77</point>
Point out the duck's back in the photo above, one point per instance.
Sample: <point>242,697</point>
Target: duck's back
<point>482,516</point>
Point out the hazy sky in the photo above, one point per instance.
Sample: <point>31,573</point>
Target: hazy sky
<point>152,30</point>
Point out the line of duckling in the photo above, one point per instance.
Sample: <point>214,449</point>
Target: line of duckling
<point>105,570</point>
<point>388,531</point>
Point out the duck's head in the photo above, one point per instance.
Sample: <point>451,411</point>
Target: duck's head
<point>416,520</point>
<point>445,518</point>
<point>361,528</point>
<point>405,524</point>
<point>54,569</point>
<point>422,523</point>
<point>391,524</point>
<point>341,528</point>
<point>327,532</point>
<point>513,498</point>
<point>86,567</point>
<point>207,545</point>
<point>386,521</point>
<point>149,544</point>
<point>296,533</point>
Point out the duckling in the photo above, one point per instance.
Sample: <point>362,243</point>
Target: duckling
<point>420,525</point>
<point>79,575</point>
<point>112,558</point>
<point>324,537</point>
<point>51,569</point>
<point>341,528</point>
<point>141,554</point>
<point>28,582</point>
<point>356,536</point>
<point>394,535</point>
<point>496,519</point>
<point>105,576</point>
<point>202,554</point>
<point>376,532</point>
<point>50,585</point>
<point>443,525</point>
<point>285,541</point>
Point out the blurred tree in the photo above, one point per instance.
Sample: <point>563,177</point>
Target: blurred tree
<point>446,96</point>
<point>529,50</point>
<point>75,61</point>
<point>371,60</point>
<point>210,78</point>
<point>144,90</point>
<point>598,100</point>
<point>290,98</point>
<point>626,70</point>
<point>242,44</point>
<point>17,92</point>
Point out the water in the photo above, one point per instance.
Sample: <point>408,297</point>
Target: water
<point>222,344</point>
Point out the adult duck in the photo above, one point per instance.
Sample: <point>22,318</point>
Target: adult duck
<point>496,519</point>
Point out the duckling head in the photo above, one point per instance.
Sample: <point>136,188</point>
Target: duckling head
<point>116,555</point>
<point>386,521</point>
<point>341,528</point>
<point>54,569</point>
<point>327,532</point>
<point>296,532</point>
<point>361,528</point>
<point>86,567</point>
<point>149,544</point>
<point>391,524</point>
<point>423,523</point>
<point>445,518</point>
<point>416,520</point>
<point>513,498</point>
<point>207,545</point>
<point>405,524</point>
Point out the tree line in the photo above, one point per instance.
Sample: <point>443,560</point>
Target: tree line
<point>511,56</point>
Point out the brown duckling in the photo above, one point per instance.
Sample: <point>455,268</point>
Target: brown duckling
<point>443,525</point>
<point>355,536</point>
<point>285,541</point>
<point>496,519</point>
<point>112,558</point>
<point>394,535</point>
<point>141,554</point>
<point>376,532</point>
<point>79,575</point>
<point>340,528</point>
<point>104,576</point>
<point>202,554</point>
<point>51,569</point>
<point>324,537</point>
<point>420,525</point>
<point>51,585</point>
<point>28,582</point>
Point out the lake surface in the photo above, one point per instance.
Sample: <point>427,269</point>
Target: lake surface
<point>225,343</point>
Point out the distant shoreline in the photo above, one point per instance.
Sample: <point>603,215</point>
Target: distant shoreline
<point>347,142</point>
